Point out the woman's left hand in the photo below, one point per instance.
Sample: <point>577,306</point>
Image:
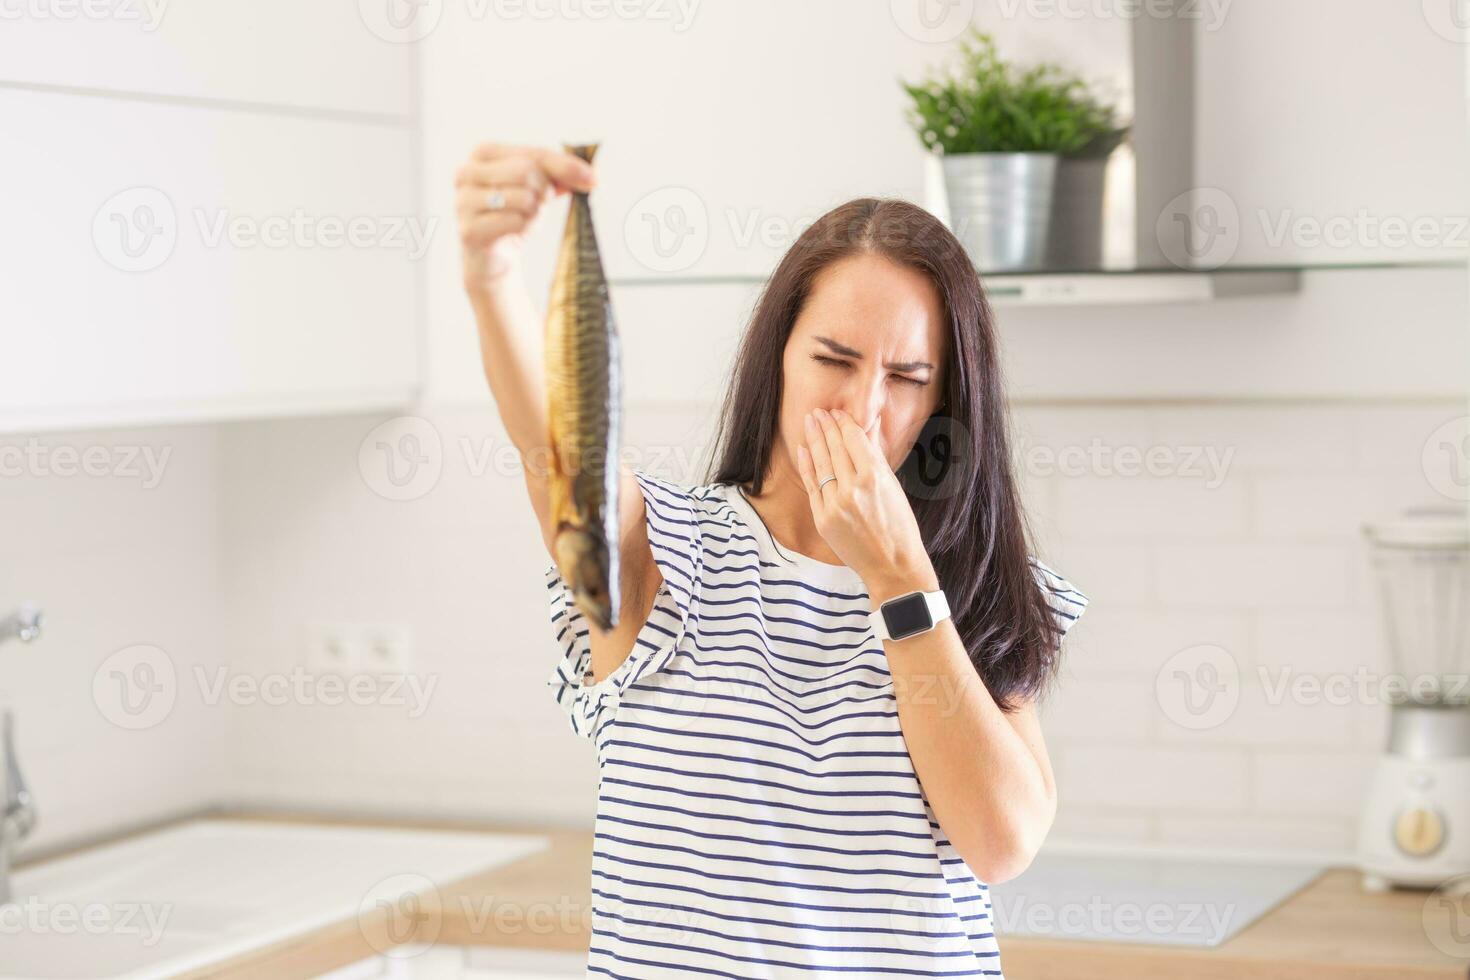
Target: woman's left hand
<point>864,515</point>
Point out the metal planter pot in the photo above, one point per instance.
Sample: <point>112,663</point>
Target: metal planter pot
<point>1000,207</point>
<point>1076,237</point>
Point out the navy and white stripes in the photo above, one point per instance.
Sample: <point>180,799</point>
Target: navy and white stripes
<point>758,812</point>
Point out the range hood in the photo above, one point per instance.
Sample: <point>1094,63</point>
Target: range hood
<point>1132,211</point>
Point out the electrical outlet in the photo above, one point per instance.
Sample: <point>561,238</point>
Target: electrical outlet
<point>329,649</point>
<point>387,648</point>
<point>359,648</point>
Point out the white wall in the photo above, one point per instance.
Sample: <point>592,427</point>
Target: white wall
<point>1326,399</point>
<point>124,558</point>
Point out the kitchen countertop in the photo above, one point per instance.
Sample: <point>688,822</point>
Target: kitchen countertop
<point>1329,929</point>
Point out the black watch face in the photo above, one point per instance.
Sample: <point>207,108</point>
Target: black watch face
<point>906,616</point>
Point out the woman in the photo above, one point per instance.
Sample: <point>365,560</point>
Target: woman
<point>782,793</point>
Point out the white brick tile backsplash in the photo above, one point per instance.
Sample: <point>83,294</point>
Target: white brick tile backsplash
<point>1274,713</point>
<point>1330,784</point>
<point>1118,774</point>
<point>1316,507</point>
<point>276,519</point>
<point>1076,823</point>
<point>1246,832</point>
<point>1138,640</point>
<point>1114,710</point>
<point>1393,437</point>
<point>1323,641</point>
<point>1106,574</point>
<point>1254,575</point>
<point>1270,437</point>
<point>1142,508</point>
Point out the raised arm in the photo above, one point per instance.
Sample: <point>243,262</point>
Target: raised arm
<point>510,332</point>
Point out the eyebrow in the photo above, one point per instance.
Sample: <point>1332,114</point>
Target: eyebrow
<point>858,355</point>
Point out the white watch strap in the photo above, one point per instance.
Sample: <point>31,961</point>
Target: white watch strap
<point>938,611</point>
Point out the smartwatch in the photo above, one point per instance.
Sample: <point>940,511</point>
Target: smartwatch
<point>909,615</point>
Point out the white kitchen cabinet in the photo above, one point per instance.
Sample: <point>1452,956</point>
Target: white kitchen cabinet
<point>1331,128</point>
<point>170,262</point>
<point>333,56</point>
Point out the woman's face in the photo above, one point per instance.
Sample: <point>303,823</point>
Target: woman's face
<point>871,341</point>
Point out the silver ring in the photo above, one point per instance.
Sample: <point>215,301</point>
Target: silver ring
<point>825,480</point>
<point>495,200</point>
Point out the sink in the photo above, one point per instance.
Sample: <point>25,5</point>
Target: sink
<point>193,894</point>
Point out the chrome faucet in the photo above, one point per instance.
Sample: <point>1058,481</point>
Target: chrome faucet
<point>17,807</point>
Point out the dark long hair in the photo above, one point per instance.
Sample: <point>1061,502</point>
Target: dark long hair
<point>970,515</point>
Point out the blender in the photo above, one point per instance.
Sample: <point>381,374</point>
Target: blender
<point>1415,825</point>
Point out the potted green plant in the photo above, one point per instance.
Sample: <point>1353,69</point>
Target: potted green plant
<point>1001,131</point>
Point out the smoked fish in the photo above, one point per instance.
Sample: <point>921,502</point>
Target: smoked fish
<point>584,395</point>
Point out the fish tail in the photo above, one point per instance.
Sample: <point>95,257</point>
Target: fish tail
<point>582,151</point>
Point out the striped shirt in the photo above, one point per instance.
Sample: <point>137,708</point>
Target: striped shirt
<point>758,813</point>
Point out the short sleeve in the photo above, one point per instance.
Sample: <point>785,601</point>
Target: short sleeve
<point>674,536</point>
<point>1062,597</point>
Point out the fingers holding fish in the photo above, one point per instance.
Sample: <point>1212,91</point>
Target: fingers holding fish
<point>473,200</point>
<point>480,231</point>
<point>536,166</point>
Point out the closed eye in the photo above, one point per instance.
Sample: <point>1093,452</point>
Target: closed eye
<point>838,362</point>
